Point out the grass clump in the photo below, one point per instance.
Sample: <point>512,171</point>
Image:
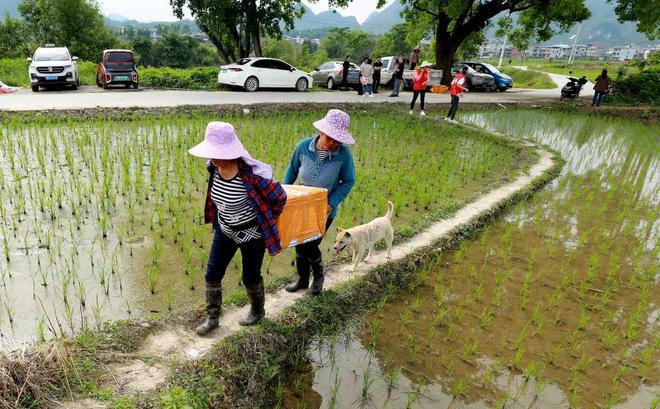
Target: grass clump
<point>529,79</point>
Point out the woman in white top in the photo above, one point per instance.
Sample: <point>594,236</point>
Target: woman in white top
<point>367,72</point>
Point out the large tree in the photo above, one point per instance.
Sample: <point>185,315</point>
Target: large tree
<point>455,21</point>
<point>77,24</point>
<point>235,27</point>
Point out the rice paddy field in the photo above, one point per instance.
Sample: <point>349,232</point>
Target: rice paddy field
<point>555,305</point>
<point>102,219</point>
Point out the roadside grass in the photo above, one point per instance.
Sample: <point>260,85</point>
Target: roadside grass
<point>590,69</point>
<point>529,79</point>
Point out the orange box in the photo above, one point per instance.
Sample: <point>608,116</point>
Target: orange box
<point>304,215</point>
<point>439,89</point>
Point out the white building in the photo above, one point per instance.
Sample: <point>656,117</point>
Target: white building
<point>551,52</point>
<point>624,53</point>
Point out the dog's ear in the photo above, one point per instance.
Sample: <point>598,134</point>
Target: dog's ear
<point>339,229</point>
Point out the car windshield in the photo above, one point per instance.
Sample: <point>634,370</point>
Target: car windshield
<point>51,54</point>
<point>492,69</point>
<point>243,61</point>
<point>119,57</point>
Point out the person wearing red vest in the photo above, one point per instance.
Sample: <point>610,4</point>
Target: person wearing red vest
<point>458,86</point>
<point>420,79</point>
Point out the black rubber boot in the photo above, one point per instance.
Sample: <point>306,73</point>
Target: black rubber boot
<point>317,282</point>
<point>257,297</point>
<point>213,307</point>
<point>303,267</point>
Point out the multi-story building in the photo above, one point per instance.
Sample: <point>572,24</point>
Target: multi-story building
<point>624,53</point>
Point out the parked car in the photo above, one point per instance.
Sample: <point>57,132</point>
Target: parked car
<point>476,80</point>
<point>117,67</point>
<point>330,74</point>
<point>502,81</point>
<point>53,66</point>
<point>389,66</point>
<point>255,73</point>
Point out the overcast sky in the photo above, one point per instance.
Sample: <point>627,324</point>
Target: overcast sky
<point>160,10</point>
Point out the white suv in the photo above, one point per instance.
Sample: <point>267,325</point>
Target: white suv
<point>53,66</point>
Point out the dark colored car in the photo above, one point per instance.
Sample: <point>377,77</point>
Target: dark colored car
<point>117,67</point>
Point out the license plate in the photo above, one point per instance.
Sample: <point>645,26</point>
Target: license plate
<point>51,77</point>
<point>121,78</point>
<point>353,75</point>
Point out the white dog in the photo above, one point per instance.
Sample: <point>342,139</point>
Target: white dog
<point>363,238</point>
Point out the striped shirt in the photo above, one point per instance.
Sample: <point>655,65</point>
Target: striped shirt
<point>321,154</point>
<point>234,208</point>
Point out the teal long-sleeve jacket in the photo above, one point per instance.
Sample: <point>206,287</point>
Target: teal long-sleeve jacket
<point>336,172</point>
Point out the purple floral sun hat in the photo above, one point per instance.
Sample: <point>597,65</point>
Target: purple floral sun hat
<point>335,125</point>
<point>221,142</point>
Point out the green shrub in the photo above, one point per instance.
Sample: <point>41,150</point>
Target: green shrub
<point>191,78</point>
<point>640,88</point>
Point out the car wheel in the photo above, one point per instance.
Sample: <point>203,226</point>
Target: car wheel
<point>35,88</point>
<point>251,84</point>
<point>98,83</point>
<point>331,83</point>
<point>135,85</point>
<point>74,86</point>
<point>302,84</point>
<point>105,85</point>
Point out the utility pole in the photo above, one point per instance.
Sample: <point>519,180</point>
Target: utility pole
<point>571,55</point>
<point>499,64</point>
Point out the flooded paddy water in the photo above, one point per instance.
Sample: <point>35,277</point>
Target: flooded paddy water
<point>102,219</point>
<point>555,305</point>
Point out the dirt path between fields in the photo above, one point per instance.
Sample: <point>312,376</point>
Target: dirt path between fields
<point>147,369</point>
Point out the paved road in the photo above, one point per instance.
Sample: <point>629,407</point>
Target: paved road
<point>561,80</point>
<point>92,97</point>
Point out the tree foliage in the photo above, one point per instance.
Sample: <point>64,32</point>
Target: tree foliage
<point>173,50</point>
<point>341,42</point>
<point>76,24</point>
<point>14,38</point>
<point>645,13</point>
<point>235,27</point>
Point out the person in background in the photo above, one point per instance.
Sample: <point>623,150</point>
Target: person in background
<point>323,161</point>
<point>346,68</point>
<point>457,87</point>
<point>378,65</point>
<point>420,79</point>
<point>367,80</point>
<point>414,58</point>
<point>243,202</point>
<point>398,77</point>
<point>602,86</point>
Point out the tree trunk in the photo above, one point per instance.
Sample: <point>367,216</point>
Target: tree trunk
<point>256,41</point>
<point>445,50</point>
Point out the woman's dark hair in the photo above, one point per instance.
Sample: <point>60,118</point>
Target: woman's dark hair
<point>369,61</point>
<point>604,73</point>
<point>464,69</point>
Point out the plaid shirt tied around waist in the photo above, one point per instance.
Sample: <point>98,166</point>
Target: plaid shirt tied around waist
<point>267,197</point>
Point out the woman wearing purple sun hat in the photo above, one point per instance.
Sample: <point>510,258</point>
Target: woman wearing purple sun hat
<point>243,202</point>
<point>323,161</point>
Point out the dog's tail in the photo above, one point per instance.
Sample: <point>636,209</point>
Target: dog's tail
<point>390,210</point>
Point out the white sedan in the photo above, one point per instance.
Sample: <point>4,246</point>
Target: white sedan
<point>253,73</point>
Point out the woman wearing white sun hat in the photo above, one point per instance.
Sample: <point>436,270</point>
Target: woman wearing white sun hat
<point>243,202</point>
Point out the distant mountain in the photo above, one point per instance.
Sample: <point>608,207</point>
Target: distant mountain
<point>117,17</point>
<point>381,21</point>
<point>326,19</point>
<point>9,7</point>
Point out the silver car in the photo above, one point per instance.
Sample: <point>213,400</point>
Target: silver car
<point>329,74</point>
<point>476,80</point>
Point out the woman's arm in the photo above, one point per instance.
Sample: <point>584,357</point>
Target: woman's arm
<point>276,196</point>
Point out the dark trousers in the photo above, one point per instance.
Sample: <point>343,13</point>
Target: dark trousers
<point>310,251</point>
<point>223,250</point>
<point>376,83</point>
<point>454,107</point>
<point>421,95</point>
<point>598,98</point>
<point>413,65</point>
<point>344,81</point>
